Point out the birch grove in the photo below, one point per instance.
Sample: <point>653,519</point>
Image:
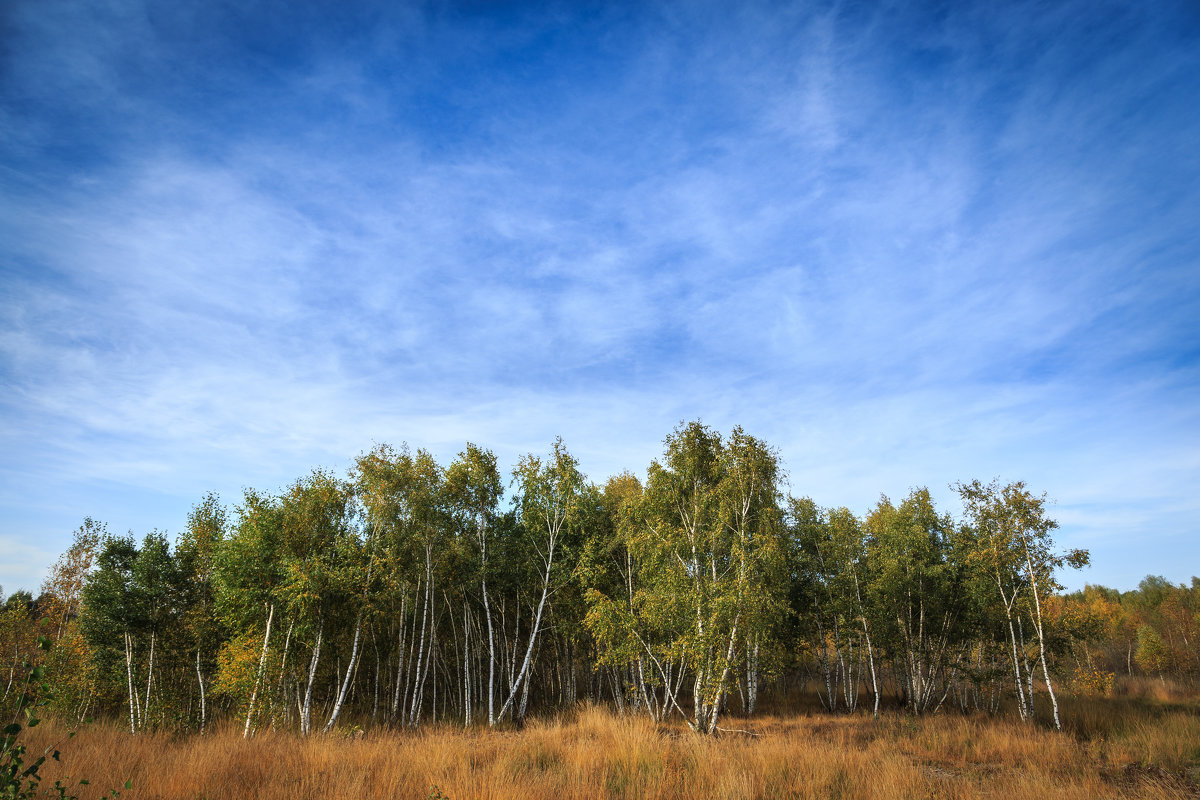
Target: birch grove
<point>406,593</point>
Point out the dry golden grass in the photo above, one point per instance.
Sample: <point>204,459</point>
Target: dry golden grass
<point>1114,748</point>
<point>1159,690</point>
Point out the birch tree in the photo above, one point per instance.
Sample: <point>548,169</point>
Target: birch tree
<point>474,488</point>
<point>60,604</point>
<point>196,554</point>
<point>155,589</point>
<point>112,618</point>
<point>549,497</point>
<point>1013,544</point>
<point>249,572</point>
<point>915,588</point>
<point>610,569</point>
<point>315,520</point>
<point>708,538</point>
<point>750,513</point>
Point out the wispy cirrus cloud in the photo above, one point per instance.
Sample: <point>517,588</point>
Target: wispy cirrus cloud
<point>906,247</point>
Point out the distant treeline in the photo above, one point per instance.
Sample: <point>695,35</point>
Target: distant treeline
<point>410,592</point>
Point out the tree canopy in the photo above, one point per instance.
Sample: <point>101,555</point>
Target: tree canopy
<point>407,592</point>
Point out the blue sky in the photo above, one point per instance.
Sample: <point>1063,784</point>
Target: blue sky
<point>907,244</point>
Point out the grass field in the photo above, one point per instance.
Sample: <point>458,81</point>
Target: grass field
<point>1130,746</point>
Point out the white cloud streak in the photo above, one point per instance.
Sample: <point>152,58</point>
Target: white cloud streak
<point>900,278</point>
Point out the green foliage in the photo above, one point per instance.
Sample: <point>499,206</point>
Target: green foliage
<point>405,589</point>
<point>1152,655</point>
<point>705,538</point>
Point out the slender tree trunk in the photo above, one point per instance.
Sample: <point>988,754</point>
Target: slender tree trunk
<point>1012,635</point>
<point>432,663</point>
<point>410,677</point>
<point>149,680</point>
<point>1037,604</point>
<point>846,668</point>
<point>200,680</point>
<point>1025,661</point>
<point>12,670</point>
<point>537,621</point>
<point>422,658</point>
<point>341,697</point>
<point>424,654</point>
<point>618,695</point>
<point>262,664</point>
<point>641,679</point>
<point>524,702</point>
<point>715,710</point>
<point>466,666</point>
<point>829,699</point>
<point>400,660</point>
<point>375,699</point>
<point>279,687</point>
<point>870,651</point>
<point>129,680</point>
<point>510,648</point>
<point>491,679</point>
<point>491,673</point>
<point>306,708</point>
<point>83,707</point>
<point>757,679</point>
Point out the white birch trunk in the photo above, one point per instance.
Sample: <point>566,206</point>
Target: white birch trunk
<point>466,666</point>
<point>1037,604</point>
<point>491,679</point>
<point>306,708</point>
<point>423,653</point>
<point>337,706</point>
<point>279,693</point>
<point>149,680</point>
<point>262,663</point>
<point>870,651</point>
<point>129,680</point>
<point>1025,661</point>
<point>534,634</point>
<point>1012,635</point>
<point>721,683</point>
<point>200,680</point>
<point>400,660</point>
